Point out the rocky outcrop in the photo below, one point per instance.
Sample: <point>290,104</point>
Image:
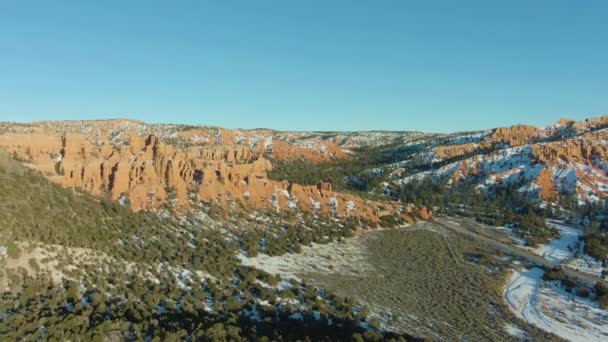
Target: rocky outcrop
<point>565,158</point>
<point>447,152</point>
<point>519,135</point>
<point>147,173</point>
<point>545,170</point>
<point>569,151</point>
<point>565,122</point>
<point>581,156</point>
<point>546,185</point>
<point>425,214</point>
<point>522,134</point>
<point>265,143</point>
<point>516,135</point>
<point>324,152</point>
<point>39,149</point>
<point>592,124</point>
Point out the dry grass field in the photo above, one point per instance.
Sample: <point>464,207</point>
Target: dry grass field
<point>423,279</point>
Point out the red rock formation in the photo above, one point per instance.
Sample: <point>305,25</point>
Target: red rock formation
<point>516,135</point>
<point>593,123</point>
<point>454,151</point>
<point>573,150</point>
<point>425,214</point>
<point>326,151</point>
<point>149,173</point>
<point>546,184</point>
<point>264,143</point>
<point>565,122</point>
<point>576,152</point>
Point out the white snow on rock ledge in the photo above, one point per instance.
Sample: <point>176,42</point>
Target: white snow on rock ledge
<point>554,310</point>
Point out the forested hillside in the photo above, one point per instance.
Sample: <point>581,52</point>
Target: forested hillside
<point>83,268</point>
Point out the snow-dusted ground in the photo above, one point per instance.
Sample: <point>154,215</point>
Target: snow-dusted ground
<point>563,248</point>
<point>548,306</point>
<point>516,332</point>
<point>586,264</point>
<point>317,257</point>
<point>518,241</point>
<point>568,250</point>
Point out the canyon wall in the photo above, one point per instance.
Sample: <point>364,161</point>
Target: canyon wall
<point>147,173</point>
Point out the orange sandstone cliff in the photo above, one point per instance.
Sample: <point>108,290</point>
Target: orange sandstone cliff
<point>147,173</point>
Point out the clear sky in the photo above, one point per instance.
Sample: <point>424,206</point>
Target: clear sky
<point>306,65</point>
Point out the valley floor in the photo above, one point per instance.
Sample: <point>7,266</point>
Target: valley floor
<point>453,279</point>
<point>424,279</point>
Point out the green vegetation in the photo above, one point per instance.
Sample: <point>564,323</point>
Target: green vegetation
<point>142,308</point>
<point>440,284</point>
<point>345,174</point>
<point>597,245</point>
<point>558,274</point>
<point>147,277</point>
<point>602,293</point>
<point>292,236</point>
<point>365,170</point>
<point>33,209</point>
<point>593,217</point>
<point>12,250</point>
<point>596,234</point>
<point>498,206</point>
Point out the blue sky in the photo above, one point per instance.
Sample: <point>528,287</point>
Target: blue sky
<point>306,65</point>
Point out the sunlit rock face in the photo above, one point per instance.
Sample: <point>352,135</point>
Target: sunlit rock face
<point>122,160</point>
<point>566,158</point>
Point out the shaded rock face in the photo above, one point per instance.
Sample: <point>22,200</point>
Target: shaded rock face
<point>147,173</point>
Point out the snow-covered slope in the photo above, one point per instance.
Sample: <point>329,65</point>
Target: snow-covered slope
<point>567,159</point>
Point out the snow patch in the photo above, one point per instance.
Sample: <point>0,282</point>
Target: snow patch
<point>515,331</point>
<point>561,249</point>
<point>553,309</point>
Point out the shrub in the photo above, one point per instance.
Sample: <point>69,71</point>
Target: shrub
<point>555,274</point>
<point>12,250</point>
<point>583,291</point>
<point>34,264</point>
<point>597,246</point>
<point>602,293</point>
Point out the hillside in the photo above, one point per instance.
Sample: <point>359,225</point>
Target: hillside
<point>149,166</point>
<point>122,230</point>
<point>77,267</point>
<point>549,163</point>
